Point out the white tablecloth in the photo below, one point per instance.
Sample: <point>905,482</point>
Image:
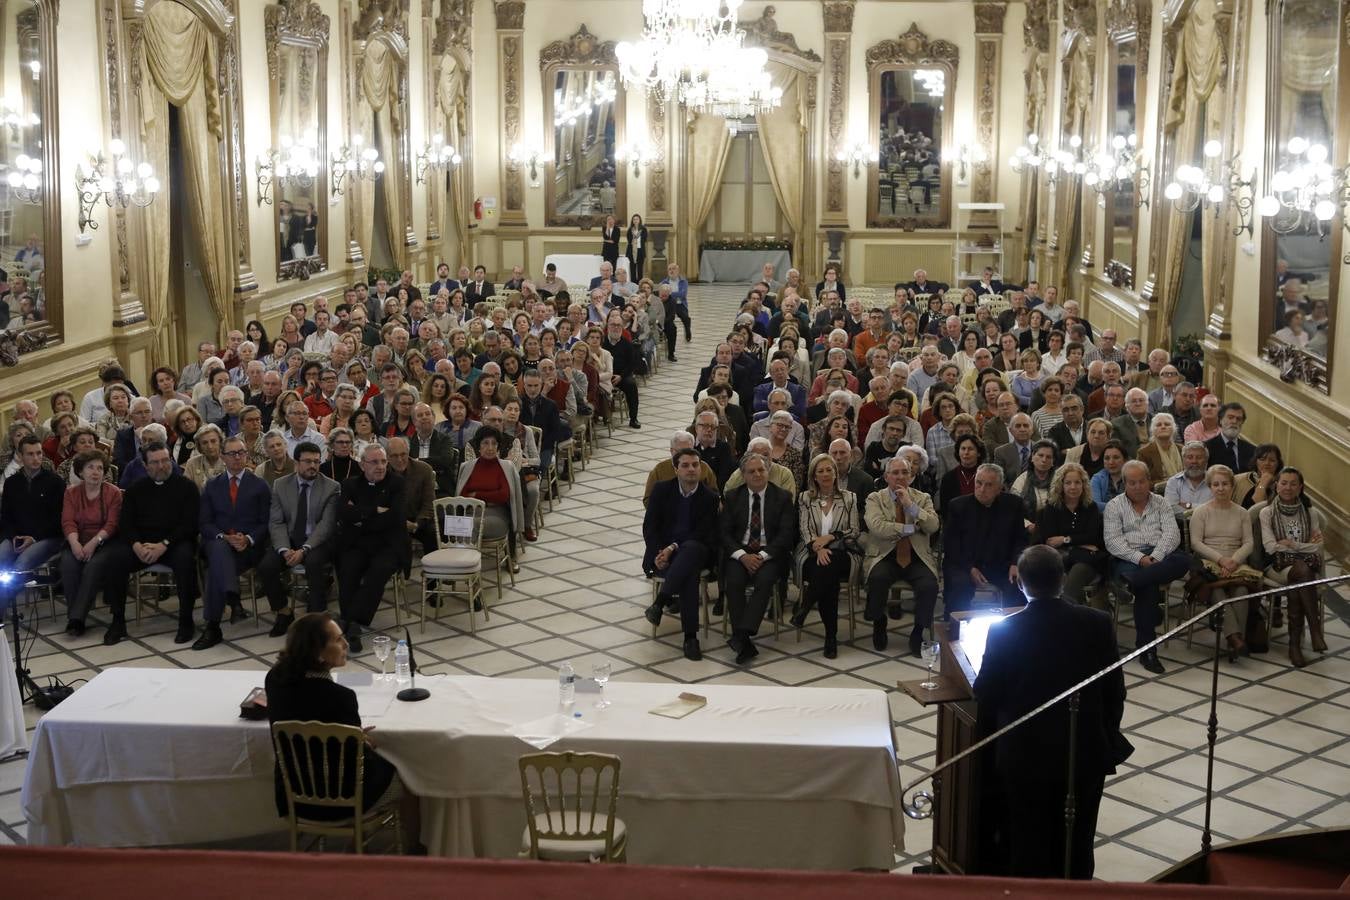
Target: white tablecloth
<point>13,733</point>
<point>577,269</point>
<point>740,266</point>
<point>781,777</point>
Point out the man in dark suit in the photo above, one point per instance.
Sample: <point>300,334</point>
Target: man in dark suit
<point>478,289</point>
<point>921,284</point>
<point>1229,447</point>
<point>435,448</point>
<point>1132,427</point>
<point>372,540</point>
<point>127,445</point>
<point>982,536</point>
<point>1012,457</point>
<point>302,523</point>
<point>779,378</point>
<point>712,449</point>
<point>443,280</point>
<point>1030,657</point>
<point>680,529</point>
<point>1071,431</point>
<point>988,285</point>
<point>742,376</point>
<point>234,518</point>
<point>419,489</point>
<point>759,530</point>
<point>542,413</point>
<point>157,526</point>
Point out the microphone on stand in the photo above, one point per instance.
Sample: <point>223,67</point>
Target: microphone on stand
<point>414,693</point>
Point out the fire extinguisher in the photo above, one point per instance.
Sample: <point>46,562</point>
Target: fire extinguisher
<point>478,208</point>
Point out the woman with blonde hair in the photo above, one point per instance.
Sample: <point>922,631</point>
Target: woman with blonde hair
<point>1221,537</point>
<point>828,523</point>
<point>1072,524</point>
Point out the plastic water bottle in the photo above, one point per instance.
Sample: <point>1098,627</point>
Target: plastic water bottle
<point>567,686</point>
<point>402,667</point>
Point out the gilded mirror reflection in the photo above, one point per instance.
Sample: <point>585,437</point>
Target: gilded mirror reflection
<point>585,175</point>
<point>910,120</point>
<point>1121,212</point>
<point>298,60</point>
<point>1302,273</point>
<point>23,195</point>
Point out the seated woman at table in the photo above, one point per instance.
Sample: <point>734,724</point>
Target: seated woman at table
<point>300,687</point>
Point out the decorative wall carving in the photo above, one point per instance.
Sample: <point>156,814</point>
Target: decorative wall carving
<point>113,68</point>
<point>302,19</point>
<point>989,18</point>
<point>656,169</point>
<point>454,26</point>
<point>987,60</point>
<point>839,16</point>
<point>763,32</point>
<point>510,15</point>
<point>510,21</point>
<point>913,48</point>
<point>1036,26</point>
<point>245,283</point>
<point>582,49</point>
<point>381,15</point>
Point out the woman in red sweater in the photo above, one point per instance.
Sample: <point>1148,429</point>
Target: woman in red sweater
<point>493,480</point>
<point>88,520</point>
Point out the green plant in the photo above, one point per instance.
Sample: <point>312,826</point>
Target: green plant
<point>373,275</point>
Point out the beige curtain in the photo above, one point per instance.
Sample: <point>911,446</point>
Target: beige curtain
<point>780,139</point>
<point>451,92</point>
<point>1194,116</point>
<point>1307,66</point>
<point>379,91</point>
<point>708,149</point>
<point>180,57</point>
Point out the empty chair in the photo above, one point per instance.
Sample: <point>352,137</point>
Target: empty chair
<point>570,804</point>
<point>455,567</point>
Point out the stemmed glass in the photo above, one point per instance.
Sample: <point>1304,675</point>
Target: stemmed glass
<point>930,650</point>
<point>600,672</point>
<point>381,645</point>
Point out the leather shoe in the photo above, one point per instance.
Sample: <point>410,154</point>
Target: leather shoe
<point>692,651</point>
<point>879,636</point>
<point>1150,661</point>
<point>238,614</point>
<point>116,631</point>
<point>354,639</point>
<point>209,638</point>
<point>798,619</point>
<point>280,626</point>
<point>531,535</point>
<point>831,647</point>
<point>653,613</point>
<point>916,644</point>
<point>185,632</point>
<point>1235,647</point>
<point>895,611</point>
<point>634,423</point>
<point>747,652</point>
<point>75,628</point>
<point>718,607</point>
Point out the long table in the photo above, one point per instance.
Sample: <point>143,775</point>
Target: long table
<point>760,777</point>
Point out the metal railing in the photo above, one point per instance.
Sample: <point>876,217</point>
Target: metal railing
<point>919,804</point>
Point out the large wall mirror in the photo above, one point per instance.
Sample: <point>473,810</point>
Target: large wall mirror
<point>297,61</point>
<point>1301,254</point>
<point>583,116</point>
<point>1127,28</point>
<point>912,85</point>
<point>30,202</point>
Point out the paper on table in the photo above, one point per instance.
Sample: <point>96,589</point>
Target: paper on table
<point>680,707</point>
<point>543,733</point>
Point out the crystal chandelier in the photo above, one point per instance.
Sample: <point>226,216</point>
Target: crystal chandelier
<point>735,85</point>
<point>1306,191</point>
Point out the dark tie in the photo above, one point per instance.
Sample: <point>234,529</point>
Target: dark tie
<point>1024,453</point>
<point>756,525</point>
<point>300,526</point>
<point>1233,449</point>
<point>234,490</point>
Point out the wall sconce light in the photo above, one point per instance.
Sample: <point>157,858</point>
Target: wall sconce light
<point>355,161</point>
<point>637,154</point>
<point>966,158</point>
<point>1028,157</point>
<point>294,161</point>
<point>1306,192</point>
<point>25,179</point>
<point>1214,184</point>
<point>114,181</point>
<point>859,155</point>
<point>521,155</point>
<point>436,155</point>
<point>1118,169</point>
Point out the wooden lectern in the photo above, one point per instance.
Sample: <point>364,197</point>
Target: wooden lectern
<point>963,808</point>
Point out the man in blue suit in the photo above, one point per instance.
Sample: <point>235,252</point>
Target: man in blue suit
<point>779,378</point>
<point>127,445</point>
<point>234,528</point>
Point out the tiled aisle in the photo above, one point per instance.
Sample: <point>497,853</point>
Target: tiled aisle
<point>1284,755</point>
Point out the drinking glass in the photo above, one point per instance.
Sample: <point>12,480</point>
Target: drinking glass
<point>930,650</point>
<point>600,672</point>
<point>381,645</point>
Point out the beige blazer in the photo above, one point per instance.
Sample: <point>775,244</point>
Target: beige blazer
<point>883,531</point>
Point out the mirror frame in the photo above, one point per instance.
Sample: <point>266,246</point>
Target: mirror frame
<point>52,327</point>
<point>582,51</point>
<point>301,23</point>
<point>1127,21</point>
<point>912,50</point>
<point>1293,363</point>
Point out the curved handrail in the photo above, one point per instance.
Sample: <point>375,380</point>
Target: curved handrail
<point>920,804</point>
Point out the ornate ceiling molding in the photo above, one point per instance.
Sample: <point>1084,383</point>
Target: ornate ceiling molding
<point>454,26</point>
<point>763,32</point>
<point>913,48</point>
<point>581,49</point>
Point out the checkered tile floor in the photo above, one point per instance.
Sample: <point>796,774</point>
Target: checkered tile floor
<point>1283,757</point>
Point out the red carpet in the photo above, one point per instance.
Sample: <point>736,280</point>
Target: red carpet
<point>56,874</point>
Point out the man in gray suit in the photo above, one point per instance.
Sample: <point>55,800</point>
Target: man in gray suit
<point>1012,457</point>
<point>303,525</point>
<point>1132,426</point>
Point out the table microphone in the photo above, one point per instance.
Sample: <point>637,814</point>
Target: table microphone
<point>414,693</point>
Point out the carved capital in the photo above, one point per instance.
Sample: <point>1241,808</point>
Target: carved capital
<point>454,26</point>
<point>838,16</point>
<point>989,17</point>
<point>374,16</point>
<point>913,48</point>
<point>1036,26</point>
<point>510,15</point>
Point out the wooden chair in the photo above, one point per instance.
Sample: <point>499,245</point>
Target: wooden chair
<point>315,759</point>
<point>457,560</point>
<point>706,577</point>
<point>566,817</point>
<point>548,478</point>
<point>851,587</point>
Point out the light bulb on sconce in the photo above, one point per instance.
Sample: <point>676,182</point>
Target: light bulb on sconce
<point>521,155</point>
<point>436,155</point>
<point>966,158</point>
<point>356,161</point>
<point>859,155</point>
<point>113,178</point>
<point>637,153</point>
<point>1306,192</point>
<point>1216,184</point>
